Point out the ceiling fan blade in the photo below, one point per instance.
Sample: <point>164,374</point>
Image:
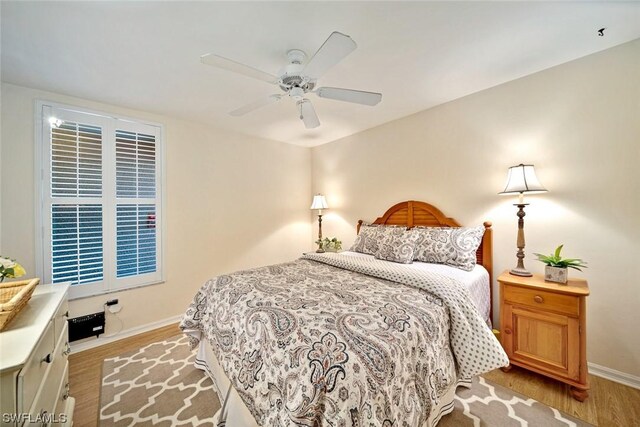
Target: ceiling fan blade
<point>308,114</point>
<point>349,95</point>
<point>332,51</point>
<point>255,105</point>
<point>236,67</point>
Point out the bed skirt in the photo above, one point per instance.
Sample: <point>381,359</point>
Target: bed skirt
<point>234,413</point>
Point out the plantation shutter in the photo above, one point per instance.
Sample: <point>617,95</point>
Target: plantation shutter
<point>76,218</point>
<point>76,160</point>
<point>136,213</point>
<point>101,208</point>
<point>77,252</point>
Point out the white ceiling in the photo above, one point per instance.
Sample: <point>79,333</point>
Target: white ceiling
<point>145,55</point>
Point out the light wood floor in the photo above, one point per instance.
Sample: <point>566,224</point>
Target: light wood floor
<point>609,403</point>
<point>85,371</point>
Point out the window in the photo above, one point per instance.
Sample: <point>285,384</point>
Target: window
<point>100,207</point>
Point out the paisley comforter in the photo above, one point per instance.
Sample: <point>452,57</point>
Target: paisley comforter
<point>332,340</point>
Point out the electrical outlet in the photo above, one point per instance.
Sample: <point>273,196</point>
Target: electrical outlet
<point>111,302</point>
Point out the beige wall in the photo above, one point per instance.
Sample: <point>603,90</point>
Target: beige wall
<point>234,201</point>
<point>579,123</point>
<point>231,202</point>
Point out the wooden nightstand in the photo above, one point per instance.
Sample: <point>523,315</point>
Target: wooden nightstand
<point>543,327</point>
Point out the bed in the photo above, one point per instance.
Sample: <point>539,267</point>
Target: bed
<point>346,339</point>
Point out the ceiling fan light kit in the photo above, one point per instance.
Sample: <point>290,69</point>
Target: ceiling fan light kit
<point>297,79</point>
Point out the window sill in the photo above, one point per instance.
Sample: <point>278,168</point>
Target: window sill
<point>112,291</point>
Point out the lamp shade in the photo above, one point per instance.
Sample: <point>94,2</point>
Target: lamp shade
<point>319,202</point>
<point>522,179</point>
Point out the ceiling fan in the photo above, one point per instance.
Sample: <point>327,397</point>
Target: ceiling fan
<point>297,79</point>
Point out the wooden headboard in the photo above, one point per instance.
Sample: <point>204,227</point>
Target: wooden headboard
<point>412,213</point>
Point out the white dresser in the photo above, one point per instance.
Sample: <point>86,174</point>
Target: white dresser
<point>34,370</point>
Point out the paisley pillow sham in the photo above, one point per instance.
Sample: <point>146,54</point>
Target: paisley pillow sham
<point>454,246</point>
<point>396,244</point>
<point>368,240</point>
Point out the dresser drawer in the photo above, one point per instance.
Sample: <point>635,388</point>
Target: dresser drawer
<point>64,411</point>
<point>61,317</point>
<point>543,300</point>
<point>47,397</point>
<point>60,356</point>
<point>35,369</point>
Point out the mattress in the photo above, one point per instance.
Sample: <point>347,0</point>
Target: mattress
<point>475,281</point>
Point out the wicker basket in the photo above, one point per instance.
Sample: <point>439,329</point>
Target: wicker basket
<point>13,297</point>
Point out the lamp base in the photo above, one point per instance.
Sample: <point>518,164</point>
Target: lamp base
<point>320,251</point>
<point>520,272</point>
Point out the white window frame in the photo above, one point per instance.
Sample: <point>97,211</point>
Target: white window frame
<point>109,123</point>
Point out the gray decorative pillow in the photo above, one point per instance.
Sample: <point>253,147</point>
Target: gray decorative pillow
<point>366,241</point>
<point>369,237</point>
<point>396,244</point>
<point>454,246</point>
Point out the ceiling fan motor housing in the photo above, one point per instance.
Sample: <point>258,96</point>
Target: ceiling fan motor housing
<point>291,76</point>
<point>289,82</point>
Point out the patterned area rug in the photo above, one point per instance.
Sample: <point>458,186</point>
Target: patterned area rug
<point>158,385</point>
<point>487,404</point>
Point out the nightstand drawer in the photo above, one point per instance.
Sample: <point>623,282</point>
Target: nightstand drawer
<point>567,304</point>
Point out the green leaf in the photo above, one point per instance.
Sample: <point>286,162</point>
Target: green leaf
<point>558,250</point>
<point>555,260</point>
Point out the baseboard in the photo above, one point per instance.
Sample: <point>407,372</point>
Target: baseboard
<point>613,375</point>
<point>86,345</point>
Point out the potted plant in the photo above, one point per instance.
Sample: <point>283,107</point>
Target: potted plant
<point>330,245</point>
<point>557,267</point>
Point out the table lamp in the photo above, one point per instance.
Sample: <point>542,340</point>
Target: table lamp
<point>319,203</point>
<point>522,179</point>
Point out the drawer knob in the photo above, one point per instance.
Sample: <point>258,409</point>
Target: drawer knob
<point>538,299</point>
<point>47,358</point>
<point>507,331</point>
